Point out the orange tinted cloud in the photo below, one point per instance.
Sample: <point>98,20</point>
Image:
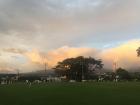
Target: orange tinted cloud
<point>125,55</point>
<point>54,56</point>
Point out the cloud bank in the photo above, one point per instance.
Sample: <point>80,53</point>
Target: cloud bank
<point>31,30</point>
<point>125,55</point>
<point>50,24</point>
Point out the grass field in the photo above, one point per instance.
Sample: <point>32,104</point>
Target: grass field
<point>127,93</point>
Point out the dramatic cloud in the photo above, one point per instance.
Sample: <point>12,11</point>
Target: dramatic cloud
<point>48,25</point>
<point>124,55</point>
<point>54,56</point>
<point>38,24</point>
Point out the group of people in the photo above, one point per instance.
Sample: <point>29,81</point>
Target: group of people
<point>11,80</point>
<point>102,78</point>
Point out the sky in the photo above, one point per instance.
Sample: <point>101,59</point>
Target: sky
<point>36,31</point>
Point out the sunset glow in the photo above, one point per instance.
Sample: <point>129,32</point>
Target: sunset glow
<point>36,31</point>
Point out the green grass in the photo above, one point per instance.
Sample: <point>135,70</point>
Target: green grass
<point>124,93</point>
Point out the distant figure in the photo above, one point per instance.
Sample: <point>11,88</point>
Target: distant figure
<point>37,81</point>
<point>117,78</point>
<point>27,81</point>
<point>44,81</point>
<point>30,84</point>
<point>100,79</point>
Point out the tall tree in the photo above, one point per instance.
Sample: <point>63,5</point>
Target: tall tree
<point>78,68</point>
<point>138,51</point>
<point>123,74</point>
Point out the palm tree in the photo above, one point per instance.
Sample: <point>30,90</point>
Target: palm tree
<point>138,51</point>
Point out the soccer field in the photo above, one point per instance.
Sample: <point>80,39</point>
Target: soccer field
<point>124,93</point>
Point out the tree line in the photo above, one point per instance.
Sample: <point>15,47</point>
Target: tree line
<point>86,68</point>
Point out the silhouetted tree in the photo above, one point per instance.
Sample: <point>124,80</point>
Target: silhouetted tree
<point>78,68</point>
<point>138,51</point>
<point>123,74</point>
